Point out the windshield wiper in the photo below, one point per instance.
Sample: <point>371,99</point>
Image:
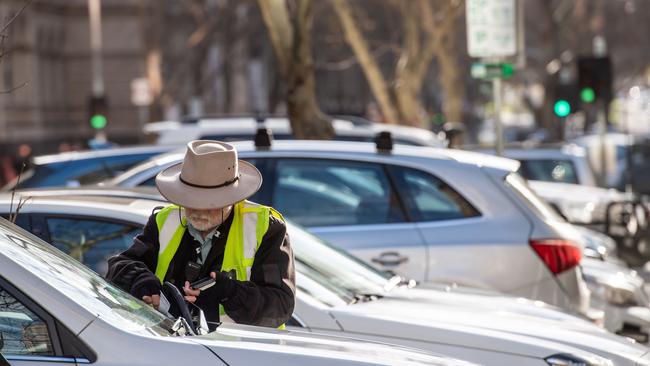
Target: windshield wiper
<point>399,281</point>
<point>360,297</point>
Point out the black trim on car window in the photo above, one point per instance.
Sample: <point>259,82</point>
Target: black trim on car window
<point>397,194</point>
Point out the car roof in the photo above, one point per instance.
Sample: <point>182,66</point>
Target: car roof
<point>103,153</point>
<point>362,149</point>
<point>370,149</point>
<point>132,202</point>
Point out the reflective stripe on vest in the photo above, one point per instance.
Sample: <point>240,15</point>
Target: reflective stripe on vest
<point>250,224</point>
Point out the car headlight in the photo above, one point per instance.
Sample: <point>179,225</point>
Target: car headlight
<point>571,360</point>
<point>614,295</point>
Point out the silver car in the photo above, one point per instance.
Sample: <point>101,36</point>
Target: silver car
<point>53,311</point>
<point>337,294</point>
<point>427,214</point>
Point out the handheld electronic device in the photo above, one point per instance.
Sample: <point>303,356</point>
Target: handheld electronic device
<point>203,283</point>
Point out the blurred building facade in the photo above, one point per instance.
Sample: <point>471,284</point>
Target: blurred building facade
<point>46,71</point>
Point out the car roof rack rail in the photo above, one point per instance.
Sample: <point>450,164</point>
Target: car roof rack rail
<point>384,141</point>
<point>263,138</point>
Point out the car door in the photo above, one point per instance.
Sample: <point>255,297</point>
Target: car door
<point>90,240</point>
<point>352,205</point>
<point>464,242</point>
<point>29,336</point>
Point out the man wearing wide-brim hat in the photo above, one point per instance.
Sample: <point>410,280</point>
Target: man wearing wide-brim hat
<point>212,230</point>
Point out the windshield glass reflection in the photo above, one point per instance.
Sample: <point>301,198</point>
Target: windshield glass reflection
<point>77,282</point>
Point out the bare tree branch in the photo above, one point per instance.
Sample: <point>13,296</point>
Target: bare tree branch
<point>14,88</point>
<point>4,28</point>
<point>371,69</point>
<point>276,18</point>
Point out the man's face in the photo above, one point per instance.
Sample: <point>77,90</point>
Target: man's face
<point>205,220</point>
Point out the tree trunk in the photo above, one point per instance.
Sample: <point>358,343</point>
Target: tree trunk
<point>307,120</point>
<point>153,63</point>
<point>357,42</point>
<point>451,81</point>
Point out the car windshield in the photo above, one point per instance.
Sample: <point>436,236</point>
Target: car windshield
<point>327,268</point>
<point>520,187</point>
<point>549,170</point>
<point>75,281</point>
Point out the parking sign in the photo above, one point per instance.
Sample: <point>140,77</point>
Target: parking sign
<point>491,28</point>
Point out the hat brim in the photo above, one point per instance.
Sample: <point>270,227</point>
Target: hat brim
<point>175,191</point>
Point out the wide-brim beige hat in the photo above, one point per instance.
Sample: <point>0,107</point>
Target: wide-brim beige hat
<point>210,176</point>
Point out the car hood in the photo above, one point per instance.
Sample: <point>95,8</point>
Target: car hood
<point>485,301</point>
<point>274,347</point>
<point>504,331</point>
<point>575,192</point>
<point>611,272</point>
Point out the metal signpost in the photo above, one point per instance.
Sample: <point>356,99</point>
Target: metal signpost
<point>492,37</point>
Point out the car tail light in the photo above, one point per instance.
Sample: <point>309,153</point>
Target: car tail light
<point>558,255</point>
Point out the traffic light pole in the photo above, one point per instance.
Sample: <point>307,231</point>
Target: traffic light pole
<point>95,19</point>
<point>498,127</point>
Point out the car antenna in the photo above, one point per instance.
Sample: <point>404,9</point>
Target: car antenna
<point>384,142</point>
<point>21,202</point>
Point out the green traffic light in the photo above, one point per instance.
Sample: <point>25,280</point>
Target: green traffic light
<point>98,121</point>
<point>562,108</point>
<point>587,95</point>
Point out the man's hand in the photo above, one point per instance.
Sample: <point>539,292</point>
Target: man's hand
<point>153,300</point>
<point>190,293</point>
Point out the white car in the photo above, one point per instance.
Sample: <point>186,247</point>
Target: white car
<point>620,292</point>
<point>55,311</point>
<point>567,163</point>
<point>337,293</point>
<point>244,128</point>
<point>579,204</point>
<point>427,214</point>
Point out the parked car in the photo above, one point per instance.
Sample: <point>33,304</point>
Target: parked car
<point>620,292</point>
<point>76,168</point>
<point>567,163</point>
<point>53,310</point>
<point>616,214</point>
<point>338,293</point>
<point>427,214</point>
<point>579,204</point>
<point>244,128</point>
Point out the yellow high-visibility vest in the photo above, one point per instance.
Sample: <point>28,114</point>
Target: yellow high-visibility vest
<point>249,225</point>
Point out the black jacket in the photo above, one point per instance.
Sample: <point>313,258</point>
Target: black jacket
<point>267,299</point>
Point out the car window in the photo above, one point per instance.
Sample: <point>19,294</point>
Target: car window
<point>519,185</point>
<point>427,198</point>
<point>549,170</point>
<point>90,241</point>
<point>151,182</point>
<point>21,331</point>
<point>318,192</point>
<point>103,172</point>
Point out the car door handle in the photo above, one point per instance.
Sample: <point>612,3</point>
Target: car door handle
<point>390,259</point>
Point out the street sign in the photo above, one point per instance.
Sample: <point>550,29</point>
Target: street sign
<point>491,28</point>
<point>141,92</point>
<point>488,71</point>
